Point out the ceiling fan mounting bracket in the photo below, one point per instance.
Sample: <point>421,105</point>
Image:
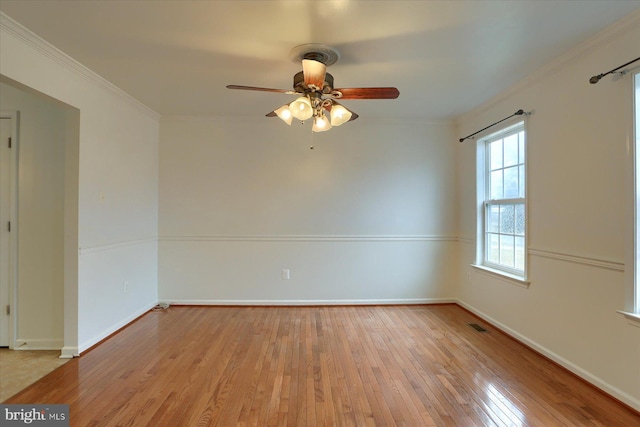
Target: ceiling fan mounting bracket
<point>316,52</point>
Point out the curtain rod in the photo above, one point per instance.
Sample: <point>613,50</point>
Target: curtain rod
<point>517,113</point>
<point>595,79</point>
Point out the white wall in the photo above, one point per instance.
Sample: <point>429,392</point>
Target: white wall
<point>577,151</point>
<point>367,215</point>
<point>118,181</point>
<point>40,223</point>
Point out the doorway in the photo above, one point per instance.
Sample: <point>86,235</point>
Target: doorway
<point>8,169</point>
<point>43,210</point>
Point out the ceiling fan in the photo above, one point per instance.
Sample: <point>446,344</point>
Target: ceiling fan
<point>317,95</point>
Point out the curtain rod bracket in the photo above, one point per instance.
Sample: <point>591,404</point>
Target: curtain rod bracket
<point>517,113</point>
<point>595,79</point>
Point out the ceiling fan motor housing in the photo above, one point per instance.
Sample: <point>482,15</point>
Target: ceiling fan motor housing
<point>298,83</point>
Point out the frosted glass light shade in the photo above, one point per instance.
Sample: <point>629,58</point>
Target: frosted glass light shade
<point>285,114</point>
<point>313,72</point>
<point>339,115</point>
<point>301,108</point>
<point>321,124</point>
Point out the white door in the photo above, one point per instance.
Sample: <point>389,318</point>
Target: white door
<point>6,133</point>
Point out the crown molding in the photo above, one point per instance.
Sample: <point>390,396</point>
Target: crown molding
<point>47,49</point>
<point>308,238</point>
<point>169,118</point>
<point>627,23</point>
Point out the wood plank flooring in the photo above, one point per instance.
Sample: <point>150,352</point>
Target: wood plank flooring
<point>319,366</point>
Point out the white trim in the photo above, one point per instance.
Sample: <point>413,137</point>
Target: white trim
<point>627,23</point>
<point>566,257</point>
<point>578,259</point>
<point>632,318</point>
<point>412,301</point>
<point>502,275</point>
<point>47,49</point>
<point>632,216</point>
<point>114,328</point>
<point>14,115</point>
<point>69,352</point>
<point>514,126</point>
<point>509,126</point>
<point>115,245</point>
<point>178,118</point>
<point>582,373</point>
<point>39,344</point>
<point>307,238</point>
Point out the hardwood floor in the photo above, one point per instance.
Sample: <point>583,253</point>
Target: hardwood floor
<point>319,366</point>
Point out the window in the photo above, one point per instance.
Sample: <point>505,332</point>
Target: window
<point>502,199</point>
<point>632,275</point>
<point>635,250</point>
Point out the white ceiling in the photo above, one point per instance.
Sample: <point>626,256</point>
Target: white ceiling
<point>445,57</point>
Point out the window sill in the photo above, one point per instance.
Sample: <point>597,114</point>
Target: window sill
<point>506,277</point>
<point>632,318</point>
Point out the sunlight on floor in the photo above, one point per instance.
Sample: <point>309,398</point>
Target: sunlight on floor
<point>503,409</point>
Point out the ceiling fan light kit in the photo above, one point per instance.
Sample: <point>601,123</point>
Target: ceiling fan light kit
<point>301,108</point>
<point>316,93</point>
<point>285,114</point>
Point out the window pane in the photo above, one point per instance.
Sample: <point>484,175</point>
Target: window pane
<point>507,219</point>
<point>496,185</point>
<point>520,219</point>
<point>496,154</point>
<point>493,218</point>
<point>520,253</point>
<point>507,251</point>
<point>493,248</point>
<point>511,187</point>
<point>511,150</point>
<point>504,224</point>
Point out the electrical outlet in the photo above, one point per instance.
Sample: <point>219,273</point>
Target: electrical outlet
<point>125,287</point>
<point>286,274</point>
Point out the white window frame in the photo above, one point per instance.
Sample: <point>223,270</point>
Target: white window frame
<point>632,259</point>
<point>636,193</point>
<point>483,191</point>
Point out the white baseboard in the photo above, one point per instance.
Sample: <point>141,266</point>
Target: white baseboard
<point>38,344</point>
<point>69,352</point>
<point>585,375</point>
<point>121,324</point>
<point>312,302</point>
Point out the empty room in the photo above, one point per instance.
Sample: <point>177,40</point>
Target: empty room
<point>320,213</point>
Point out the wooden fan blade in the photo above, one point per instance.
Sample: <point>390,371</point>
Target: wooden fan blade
<point>369,93</point>
<point>261,89</point>
<point>314,72</point>
<point>271,114</point>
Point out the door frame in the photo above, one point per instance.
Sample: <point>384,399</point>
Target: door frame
<point>14,115</point>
